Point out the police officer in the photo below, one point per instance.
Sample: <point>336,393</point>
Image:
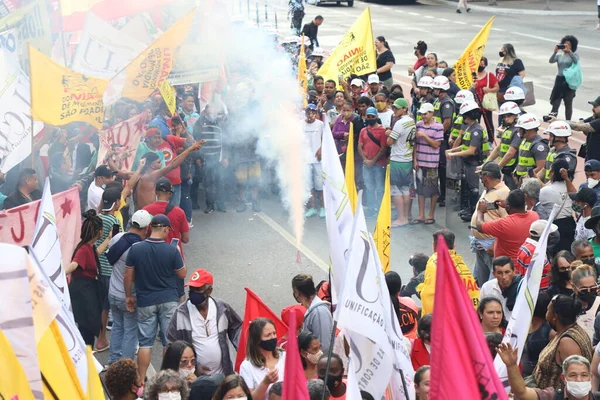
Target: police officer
<point>458,126</point>
<point>425,94</point>
<point>506,154</point>
<point>455,167</point>
<point>533,149</point>
<point>444,111</point>
<point>472,150</point>
<point>559,132</point>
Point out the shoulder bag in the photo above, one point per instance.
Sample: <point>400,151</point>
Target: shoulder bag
<point>490,100</point>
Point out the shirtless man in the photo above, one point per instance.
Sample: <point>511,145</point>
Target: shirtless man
<point>144,192</point>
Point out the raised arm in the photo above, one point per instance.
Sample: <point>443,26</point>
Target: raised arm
<point>177,161</point>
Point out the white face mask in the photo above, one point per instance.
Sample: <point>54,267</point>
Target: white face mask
<point>579,389</point>
<point>184,372</point>
<point>592,182</point>
<point>169,396</point>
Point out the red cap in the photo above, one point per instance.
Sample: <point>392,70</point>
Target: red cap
<point>199,278</point>
<point>152,132</point>
<point>300,311</point>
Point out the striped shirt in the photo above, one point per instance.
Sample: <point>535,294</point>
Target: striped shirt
<point>524,259</point>
<point>211,150</point>
<point>427,156</point>
<point>108,221</point>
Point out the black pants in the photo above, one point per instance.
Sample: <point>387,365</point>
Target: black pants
<point>442,170</point>
<point>213,184</point>
<point>562,92</point>
<point>566,228</point>
<point>296,24</point>
<point>88,337</point>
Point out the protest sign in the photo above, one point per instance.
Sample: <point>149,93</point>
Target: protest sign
<point>103,50</point>
<point>168,94</point>
<point>470,58</point>
<point>188,70</point>
<point>15,103</point>
<point>17,225</point>
<point>127,134</point>
<point>61,95</point>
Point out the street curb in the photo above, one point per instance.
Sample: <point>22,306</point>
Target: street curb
<point>516,11</point>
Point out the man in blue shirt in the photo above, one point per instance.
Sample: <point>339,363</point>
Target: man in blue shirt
<point>155,266</point>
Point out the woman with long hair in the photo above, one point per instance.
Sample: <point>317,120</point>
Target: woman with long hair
<point>385,62</point>
<point>85,290</point>
<point>561,90</point>
<point>264,363</point>
<point>509,66</point>
<point>560,274</point>
<point>491,315</point>
<point>180,356</point>
<point>232,387</point>
<point>422,377</point>
<point>309,347</point>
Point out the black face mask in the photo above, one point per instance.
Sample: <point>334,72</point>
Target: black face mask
<point>333,381</point>
<point>564,275</point>
<point>587,298</point>
<point>268,345</point>
<point>370,122</point>
<point>501,53</point>
<point>197,298</point>
<point>480,69</point>
<point>589,261</point>
<point>330,96</point>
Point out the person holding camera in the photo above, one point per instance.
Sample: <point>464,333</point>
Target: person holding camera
<point>561,90</point>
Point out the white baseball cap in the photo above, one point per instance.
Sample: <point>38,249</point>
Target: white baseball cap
<point>425,108</point>
<point>537,227</point>
<point>373,78</point>
<point>141,219</point>
<point>356,82</point>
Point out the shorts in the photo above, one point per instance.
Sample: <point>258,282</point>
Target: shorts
<point>149,318</point>
<point>248,173</point>
<point>315,177</point>
<point>104,287</point>
<point>400,177</point>
<point>427,186</point>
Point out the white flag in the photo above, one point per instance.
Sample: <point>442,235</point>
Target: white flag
<point>520,319</point>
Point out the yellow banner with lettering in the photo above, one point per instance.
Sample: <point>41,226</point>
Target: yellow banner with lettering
<point>381,236</point>
<point>470,58</point>
<point>60,95</point>
<point>168,95</point>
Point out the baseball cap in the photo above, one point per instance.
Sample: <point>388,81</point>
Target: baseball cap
<point>373,78</point>
<point>425,108</point>
<point>492,169</point>
<point>585,195</point>
<point>160,220</point>
<point>372,111</point>
<point>356,82</point>
<point>313,93</point>
<point>152,132</point>
<point>538,227</point>
<point>163,185</point>
<point>592,166</point>
<point>596,102</point>
<point>109,198</point>
<point>312,107</point>
<point>594,218</point>
<point>104,172</point>
<point>141,219</point>
<point>400,103</point>
<point>200,277</point>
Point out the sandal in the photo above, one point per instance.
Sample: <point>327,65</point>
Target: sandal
<point>399,226</point>
<point>429,221</point>
<point>416,221</point>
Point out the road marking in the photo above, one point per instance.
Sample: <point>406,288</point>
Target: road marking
<point>292,240</point>
<point>429,16</point>
<point>460,22</point>
<point>444,19</point>
<point>400,11</point>
<point>412,13</point>
<point>552,40</point>
<point>499,29</point>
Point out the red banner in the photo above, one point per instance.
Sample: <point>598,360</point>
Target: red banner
<point>17,225</point>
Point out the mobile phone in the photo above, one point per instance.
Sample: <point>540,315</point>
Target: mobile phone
<point>175,242</point>
<point>491,205</point>
<point>340,78</point>
<point>116,229</point>
<point>560,46</point>
<point>474,75</point>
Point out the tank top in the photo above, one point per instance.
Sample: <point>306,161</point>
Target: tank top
<point>536,342</point>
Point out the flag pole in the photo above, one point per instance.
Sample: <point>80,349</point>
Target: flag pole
<point>31,104</point>
<point>329,355</point>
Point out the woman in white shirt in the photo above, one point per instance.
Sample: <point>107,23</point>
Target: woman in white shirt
<point>264,363</point>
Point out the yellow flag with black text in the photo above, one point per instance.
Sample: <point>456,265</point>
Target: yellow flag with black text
<point>302,80</point>
<point>355,54</point>
<point>148,70</point>
<point>94,389</point>
<point>349,170</point>
<point>168,94</point>
<point>470,58</point>
<point>13,382</point>
<point>381,236</point>
<point>60,95</point>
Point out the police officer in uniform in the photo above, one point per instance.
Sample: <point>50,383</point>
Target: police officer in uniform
<point>472,150</point>
<point>507,153</point>
<point>444,111</point>
<point>559,132</point>
<point>454,168</point>
<point>533,149</point>
<point>425,94</point>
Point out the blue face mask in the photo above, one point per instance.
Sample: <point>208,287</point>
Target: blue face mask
<point>197,298</point>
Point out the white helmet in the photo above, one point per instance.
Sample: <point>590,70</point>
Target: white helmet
<point>514,93</point>
<point>426,82</point>
<point>468,106</point>
<point>318,52</point>
<point>559,129</point>
<point>509,107</point>
<point>463,96</point>
<point>441,82</point>
<point>527,122</point>
<point>141,219</point>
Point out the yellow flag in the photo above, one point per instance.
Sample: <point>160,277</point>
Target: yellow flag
<point>13,382</point>
<point>168,94</point>
<point>349,170</point>
<point>470,58</point>
<point>302,72</point>
<point>94,389</point>
<point>381,236</point>
<point>68,7</point>
<point>355,54</point>
<point>60,95</point>
<point>148,70</point>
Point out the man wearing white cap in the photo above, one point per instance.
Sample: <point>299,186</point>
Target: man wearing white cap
<point>374,86</point>
<point>528,248</point>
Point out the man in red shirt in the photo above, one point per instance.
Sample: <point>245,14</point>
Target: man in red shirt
<point>372,147</point>
<point>510,231</point>
<point>170,146</point>
<point>528,248</point>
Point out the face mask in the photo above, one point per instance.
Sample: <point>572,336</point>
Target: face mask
<point>501,53</point>
<point>197,298</point>
<point>579,389</point>
<point>587,298</point>
<point>589,261</point>
<point>268,345</point>
<point>381,105</point>
<point>564,275</point>
<point>314,358</point>
<point>169,396</point>
<point>370,122</point>
<point>185,372</point>
<point>333,381</point>
<point>140,392</point>
<point>210,119</point>
<point>480,69</point>
<point>578,208</point>
<point>592,182</point>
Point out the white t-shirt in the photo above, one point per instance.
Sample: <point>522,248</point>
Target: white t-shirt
<point>205,337</point>
<point>313,136</point>
<point>554,193</point>
<point>404,135</point>
<point>94,196</point>
<point>581,232</point>
<point>386,118</point>
<point>253,375</point>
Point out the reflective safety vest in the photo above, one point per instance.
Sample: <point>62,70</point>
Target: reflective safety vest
<point>505,141</point>
<point>437,115</point>
<point>550,159</point>
<point>466,143</point>
<point>456,127</point>
<point>526,159</point>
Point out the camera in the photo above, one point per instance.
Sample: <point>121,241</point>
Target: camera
<point>546,118</point>
<point>474,75</point>
<point>491,205</point>
<point>560,46</point>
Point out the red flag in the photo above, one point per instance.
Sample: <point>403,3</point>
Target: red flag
<point>294,384</point>
<point>457,339</point>
<point>255,308</point>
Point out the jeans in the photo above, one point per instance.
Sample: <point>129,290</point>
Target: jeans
<point>213,184</point>
<point>186,201</point>
<point>124,334</point>
<point>149,318</point>
<point>374,178</point>
<point>482,270</point>
<point>176,196</point>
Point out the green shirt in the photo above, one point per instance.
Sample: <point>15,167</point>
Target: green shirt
<point>107,223</point>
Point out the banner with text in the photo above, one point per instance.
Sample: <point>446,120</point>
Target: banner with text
<point>61,95</point>
<point>127,135</point>
<point>168,94</point>
<point>189,70</point>
<point>470,58</point>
